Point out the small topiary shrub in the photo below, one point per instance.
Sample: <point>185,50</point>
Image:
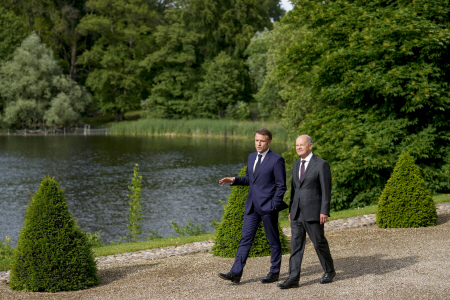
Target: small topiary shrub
<point>52,254</point>
<point>405,201</point>
<point>229,231</point>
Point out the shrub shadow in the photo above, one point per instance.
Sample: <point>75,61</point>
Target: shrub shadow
<point>443,218</point>
<point>113,274</point>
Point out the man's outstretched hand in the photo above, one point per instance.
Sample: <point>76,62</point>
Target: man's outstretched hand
<point>226,180</point>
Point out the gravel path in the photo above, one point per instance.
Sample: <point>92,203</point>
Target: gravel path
<point>371,263</point>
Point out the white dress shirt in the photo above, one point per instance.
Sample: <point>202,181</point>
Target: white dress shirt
<point>262,158</point>
<point>307,159</point>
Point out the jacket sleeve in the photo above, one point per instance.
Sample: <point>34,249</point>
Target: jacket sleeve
<point>280,182</point>
<point>325,185</point>
<point>242,180</point>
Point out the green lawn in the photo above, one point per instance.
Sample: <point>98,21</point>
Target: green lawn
<point>172,241</point>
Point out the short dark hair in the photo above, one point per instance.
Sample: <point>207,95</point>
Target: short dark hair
<point>264,131</point>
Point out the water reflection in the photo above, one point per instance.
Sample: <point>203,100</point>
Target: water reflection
<point>179,178</point>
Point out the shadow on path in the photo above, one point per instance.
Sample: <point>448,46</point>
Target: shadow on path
<point>443,218</point>
<point>110,275</point>
<point>356,266</point>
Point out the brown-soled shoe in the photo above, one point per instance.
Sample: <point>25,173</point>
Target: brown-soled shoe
<point>328,277</point>
<point>288,283</point>
<point>271,277</point>
<point>230,276</point>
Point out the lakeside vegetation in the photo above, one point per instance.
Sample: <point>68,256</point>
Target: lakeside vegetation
<point>199,128</point>
<point>173,241</point>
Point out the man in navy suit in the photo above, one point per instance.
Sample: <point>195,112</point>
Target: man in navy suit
<point>266,176</point>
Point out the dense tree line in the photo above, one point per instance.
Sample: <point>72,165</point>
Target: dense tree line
<point>175,59</point>
<point>374,78</point>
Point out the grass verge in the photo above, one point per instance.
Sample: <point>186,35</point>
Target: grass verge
<point>198,128</point>
<point>164,242</point>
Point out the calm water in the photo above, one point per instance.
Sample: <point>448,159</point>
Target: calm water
<point>180,178</point>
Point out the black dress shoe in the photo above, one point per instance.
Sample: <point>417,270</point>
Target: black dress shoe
<point>328,277</point>
<point>288,283</point>
<point>271,277</point>
<point>230,276</point>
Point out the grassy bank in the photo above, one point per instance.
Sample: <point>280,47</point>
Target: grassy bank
<point>172,241</point>
<point>198,128</point>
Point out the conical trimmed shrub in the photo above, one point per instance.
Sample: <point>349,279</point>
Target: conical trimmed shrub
<point>405,201</point>
<point>52,254</point>
<point>229,231</point>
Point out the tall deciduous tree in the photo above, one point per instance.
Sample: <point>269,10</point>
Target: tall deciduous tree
<point>55,21</point>
<point>32,82</point>
<point>124,28</point>
<point>196,31</point>
<point>13,29</point>
<point>379,65</point>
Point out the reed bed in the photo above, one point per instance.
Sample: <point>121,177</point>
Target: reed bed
<point>203,128</point>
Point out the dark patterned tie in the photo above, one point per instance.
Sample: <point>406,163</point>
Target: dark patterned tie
<point>302,169</point>
<point>257,164</point>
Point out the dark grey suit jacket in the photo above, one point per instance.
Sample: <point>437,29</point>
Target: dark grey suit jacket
<point>311,196</point>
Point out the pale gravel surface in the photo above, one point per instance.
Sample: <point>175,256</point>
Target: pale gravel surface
<point>371,263</point>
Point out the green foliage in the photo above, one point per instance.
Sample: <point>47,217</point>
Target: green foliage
<point>123,28</point>
<point>199,61</point>
<point>405,201</point>
<point>94,239</point>
<point>154,235</point>
<point>36,92</point>
<point>6,251</point>
<point>222,86</point>
<point>189,230</point>
<point>374,75</point>
<point>135,209</point>
<point>239,111</point>
<point>198,128</point>
<point>55,21</point>
<point>13,31</point>
<point>229,232</point>
<point>52,254</point>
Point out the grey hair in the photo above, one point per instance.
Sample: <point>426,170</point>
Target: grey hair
<point>308,139</point>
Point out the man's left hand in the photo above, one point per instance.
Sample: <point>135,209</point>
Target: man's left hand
<point>323,219</point>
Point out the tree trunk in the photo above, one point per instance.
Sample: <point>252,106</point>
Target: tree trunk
<point>73,61</point>
<point>119,116</point>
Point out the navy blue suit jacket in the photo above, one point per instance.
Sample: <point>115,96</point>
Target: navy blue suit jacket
<point>267,186</point>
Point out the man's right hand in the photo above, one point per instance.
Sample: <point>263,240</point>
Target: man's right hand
<point>289,217</point>
<point>226,180</point>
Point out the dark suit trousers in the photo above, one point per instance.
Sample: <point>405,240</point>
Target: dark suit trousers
<point>251,224</point>
<point>315,232</point>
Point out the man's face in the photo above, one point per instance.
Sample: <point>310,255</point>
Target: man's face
<point>262,142</point>
<point>302,147</point>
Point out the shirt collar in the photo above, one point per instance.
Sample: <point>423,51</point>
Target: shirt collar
<point>308,158</point>
<point>264,153</point>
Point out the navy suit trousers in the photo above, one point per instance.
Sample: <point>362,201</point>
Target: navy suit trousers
<point>251,224</point>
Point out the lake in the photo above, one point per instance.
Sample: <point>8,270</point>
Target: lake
<point>179,178</point>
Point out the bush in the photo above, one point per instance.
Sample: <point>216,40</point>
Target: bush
<point>230,229</point>
<point>6,251</point>
<point>405,201</point>
<point>189,230</point>
<point>52,254</point>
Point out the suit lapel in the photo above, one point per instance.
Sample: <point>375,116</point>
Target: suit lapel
<point>263,163</point>
<point>311,166</point>
<point>296,174</point>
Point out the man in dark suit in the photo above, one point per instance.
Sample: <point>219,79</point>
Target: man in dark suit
<point>266,176</point>
<point>309,210</point>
